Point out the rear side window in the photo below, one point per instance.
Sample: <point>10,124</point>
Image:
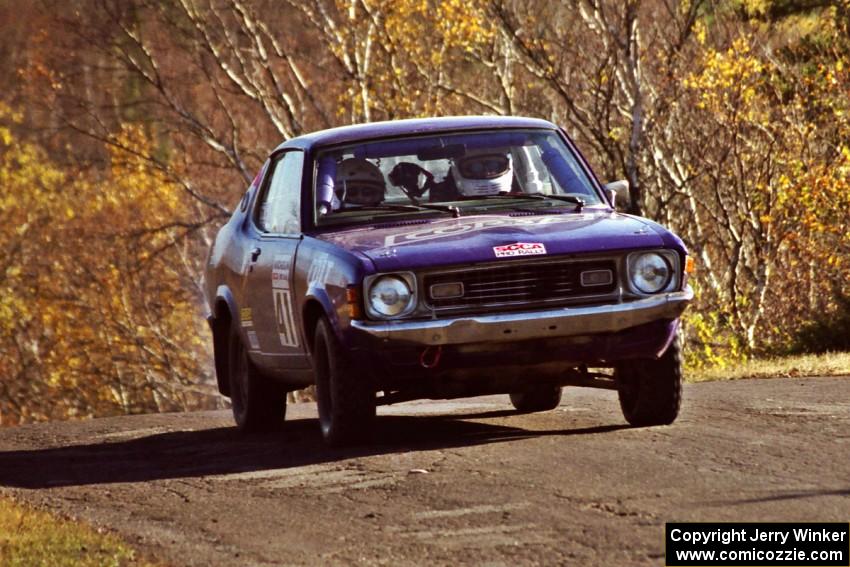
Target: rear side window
<point>280,209</point>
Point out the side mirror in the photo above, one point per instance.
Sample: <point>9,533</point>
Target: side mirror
<point>618,194</point>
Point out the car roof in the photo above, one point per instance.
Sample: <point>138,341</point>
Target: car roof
<point>372,130</point>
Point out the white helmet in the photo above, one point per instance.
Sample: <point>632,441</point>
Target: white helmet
<point>483,172</point>
<point>360,182</point>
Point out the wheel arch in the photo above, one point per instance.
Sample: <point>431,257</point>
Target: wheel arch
<point>314,309</point>
<point>224,313</point>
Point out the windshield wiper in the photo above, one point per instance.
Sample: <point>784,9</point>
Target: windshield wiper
<point>455,211</point>
<point>579,203</point>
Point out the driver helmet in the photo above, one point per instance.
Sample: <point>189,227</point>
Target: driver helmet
<point>360,182</point>
<point>483,172</point>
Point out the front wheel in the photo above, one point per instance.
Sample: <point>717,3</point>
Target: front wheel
<point>537,398</point>
<point>258,403</point>
<point>344,392</point>
<point>650,391</point>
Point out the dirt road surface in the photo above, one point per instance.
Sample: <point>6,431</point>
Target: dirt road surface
<point>447,483</point>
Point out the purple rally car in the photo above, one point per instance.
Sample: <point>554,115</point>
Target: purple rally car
<point>441,258</point>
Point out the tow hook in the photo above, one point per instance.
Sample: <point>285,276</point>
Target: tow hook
<point>430,357</point>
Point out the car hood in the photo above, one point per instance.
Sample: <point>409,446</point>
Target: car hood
<point>413,244</point>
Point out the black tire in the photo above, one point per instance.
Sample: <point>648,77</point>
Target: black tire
<point>258,403</point>
<point>650,391</point>
<point>538,398</point>
<point>344,393</point>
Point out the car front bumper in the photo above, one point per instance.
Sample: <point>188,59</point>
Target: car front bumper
<point>525,325</point>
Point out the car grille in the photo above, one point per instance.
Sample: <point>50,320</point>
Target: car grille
<point>527,283</point>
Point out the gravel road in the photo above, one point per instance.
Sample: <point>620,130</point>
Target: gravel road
<point>447,483</point>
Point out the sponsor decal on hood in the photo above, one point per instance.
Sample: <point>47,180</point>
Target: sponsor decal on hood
<point>519,249</point>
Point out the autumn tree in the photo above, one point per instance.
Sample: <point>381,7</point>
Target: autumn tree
<point>97,313</point>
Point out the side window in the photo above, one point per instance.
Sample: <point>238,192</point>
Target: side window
<point>280,210</point>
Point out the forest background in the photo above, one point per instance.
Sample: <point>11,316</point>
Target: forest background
<point>130,128</point>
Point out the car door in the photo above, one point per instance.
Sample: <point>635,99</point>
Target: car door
<point>269,290</point>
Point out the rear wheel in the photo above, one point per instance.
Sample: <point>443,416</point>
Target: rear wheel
<point>258,403</point>
<point>344,392</point>
<point>538,398</point>
<point>650,391</point>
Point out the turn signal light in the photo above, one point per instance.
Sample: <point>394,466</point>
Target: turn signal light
<point>690,265</point>
<point>352,296</point>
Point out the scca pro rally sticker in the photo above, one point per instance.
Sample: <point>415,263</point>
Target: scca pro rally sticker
<point>519,249</point>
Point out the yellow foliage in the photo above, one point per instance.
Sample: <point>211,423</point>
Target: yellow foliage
<point>94,315</point>
<point>783,181</point>
<point>710,344</point>
<point>420,36</point>
<point>700,31</point>
<point>729,81</point>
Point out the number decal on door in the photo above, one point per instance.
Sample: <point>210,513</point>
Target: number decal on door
<point>283,301</point>
<point>285,321</point>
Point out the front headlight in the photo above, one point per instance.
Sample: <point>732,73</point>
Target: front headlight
<point>651,272</point>
<point>390,296</point>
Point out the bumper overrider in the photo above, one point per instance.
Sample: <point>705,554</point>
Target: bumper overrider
<point>525,325</point>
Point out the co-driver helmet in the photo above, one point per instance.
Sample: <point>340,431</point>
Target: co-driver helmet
<point>483,172</point>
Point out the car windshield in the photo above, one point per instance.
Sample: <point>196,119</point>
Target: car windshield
<point>465,173</point>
